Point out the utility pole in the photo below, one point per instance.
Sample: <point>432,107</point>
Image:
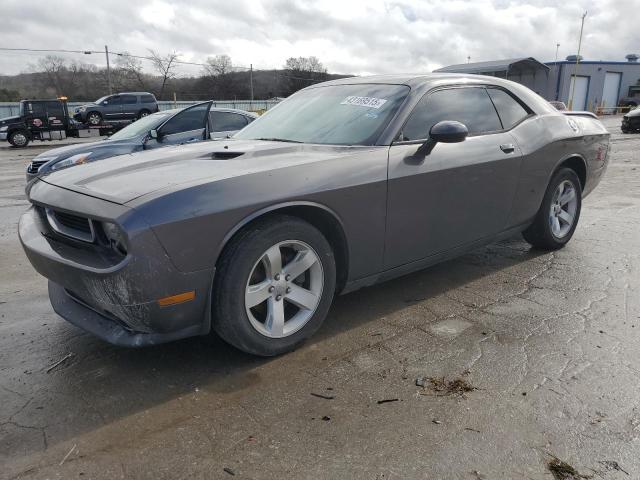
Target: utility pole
<point>575,67</point>
<point>106,52</point>
<point>251,79</point>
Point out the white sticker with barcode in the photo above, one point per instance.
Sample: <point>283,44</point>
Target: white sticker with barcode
<point>369,102</point>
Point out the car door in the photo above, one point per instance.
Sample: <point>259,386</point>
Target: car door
<point>129,106</point>
<point>459,192</point>
<point>112,108</point>
<point>55,115</point>
<point>224,124</point>
<point>186,126</point>
<point>36,116</point>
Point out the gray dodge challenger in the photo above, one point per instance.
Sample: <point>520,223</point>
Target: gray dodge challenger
<point>343,185</point>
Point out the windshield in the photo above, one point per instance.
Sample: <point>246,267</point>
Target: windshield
<point>140,127</point>
<point>101,99</point>
<point>336,115</point>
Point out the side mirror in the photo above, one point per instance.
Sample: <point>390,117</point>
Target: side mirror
<point>105,103</point>
<point>447,131</point>
<point>153,134</point>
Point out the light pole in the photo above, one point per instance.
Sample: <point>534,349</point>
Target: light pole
<point>106,52</point>
<point>575,67</point>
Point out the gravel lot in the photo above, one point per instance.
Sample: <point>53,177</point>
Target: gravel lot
<point>546,346</point>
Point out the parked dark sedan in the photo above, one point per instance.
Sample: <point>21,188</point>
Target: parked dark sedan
<point>631,121</point>
<point>169,127</point>
<point>342,185</point>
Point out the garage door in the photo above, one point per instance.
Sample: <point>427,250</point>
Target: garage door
<point>611,89</point>
<point>581,84</point>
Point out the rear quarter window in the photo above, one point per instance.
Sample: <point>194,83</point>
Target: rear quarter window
<point>147,99</point>
<point>510,110</point>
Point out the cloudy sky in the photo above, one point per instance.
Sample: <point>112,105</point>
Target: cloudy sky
<point>348,36</point>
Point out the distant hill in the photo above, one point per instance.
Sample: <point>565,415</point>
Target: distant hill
<point>87,84</point>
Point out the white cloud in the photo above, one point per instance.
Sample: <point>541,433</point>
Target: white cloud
<point>349,36</point>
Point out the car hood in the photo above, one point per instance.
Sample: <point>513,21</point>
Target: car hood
<point>633,113</point>
<point>128,177</point>
<point>5,120</point>
<point>67,151</point>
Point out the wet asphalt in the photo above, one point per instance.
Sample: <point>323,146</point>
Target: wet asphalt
<point>538,352</point>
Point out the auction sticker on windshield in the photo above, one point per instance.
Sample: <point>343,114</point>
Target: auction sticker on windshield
<point>369,102</point>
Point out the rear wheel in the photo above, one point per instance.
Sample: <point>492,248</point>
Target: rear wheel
<point>558,216</point>
<point>19,138</point>
<point>143,113</point>
<point>94,118</point>
<point>274,285</point>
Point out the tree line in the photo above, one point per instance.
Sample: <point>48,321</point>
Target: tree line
<point>54,76</point>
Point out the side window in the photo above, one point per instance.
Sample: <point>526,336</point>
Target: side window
<point>54,109</point>
<point>227,121</point>
<point>192,118</point>
<point>471,106</point>
<point>510,111</point>
<point>129,99</point>
<point>36,109</point>
<point>147,99</point>
<point>114,100</point>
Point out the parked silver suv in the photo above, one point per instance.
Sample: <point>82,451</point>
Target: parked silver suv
<point>120,106</point>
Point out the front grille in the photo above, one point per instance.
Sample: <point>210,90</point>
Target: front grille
<point>35,165</point>
<point>69,225</point>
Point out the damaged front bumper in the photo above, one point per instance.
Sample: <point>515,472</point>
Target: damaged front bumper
<point>115,298</point>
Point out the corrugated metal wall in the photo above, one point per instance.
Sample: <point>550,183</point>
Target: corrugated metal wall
<point>8,109</point>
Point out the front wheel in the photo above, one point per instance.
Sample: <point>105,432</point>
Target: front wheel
<point>558,216</point>
<point>274,285</point>
<point>19,138</point>
<point>94,118</point>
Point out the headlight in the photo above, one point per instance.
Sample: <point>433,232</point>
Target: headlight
<point>71,161</point>
<point>115,237</point>
<point>4,129</point>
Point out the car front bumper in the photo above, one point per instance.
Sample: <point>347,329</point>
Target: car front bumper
<point>3,135</point>
<point>117,300</point>
<point>631,123</point>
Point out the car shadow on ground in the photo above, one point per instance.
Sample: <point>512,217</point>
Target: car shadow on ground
<point>115,383</point>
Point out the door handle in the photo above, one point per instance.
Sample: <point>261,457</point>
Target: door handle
<point>507,147</point>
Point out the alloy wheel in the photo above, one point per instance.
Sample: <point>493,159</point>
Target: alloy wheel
<point>564,205</point>
<point>284,289</point>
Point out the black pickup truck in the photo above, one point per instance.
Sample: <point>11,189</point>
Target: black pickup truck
<point>48,120</point>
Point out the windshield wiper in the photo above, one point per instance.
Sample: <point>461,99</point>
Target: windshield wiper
<point>278,140</point>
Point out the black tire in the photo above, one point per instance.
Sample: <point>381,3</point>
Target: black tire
<point>230,319</point>
<point>94,118</point>
<point>539,233</point>
<point>19,138</point>
<point>143,113</point>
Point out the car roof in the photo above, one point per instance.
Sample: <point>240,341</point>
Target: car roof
<point>427,81</point>
<point>414,80</point>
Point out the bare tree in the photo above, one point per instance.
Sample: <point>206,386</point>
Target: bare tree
<point>165,66</point>
<point>218,75</point>
<point>129,71</point>
<point>55,68</point>
<point>303,71</point>
<point>218,65</point>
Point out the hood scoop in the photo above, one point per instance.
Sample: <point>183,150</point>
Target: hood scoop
<point>225,155</point>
